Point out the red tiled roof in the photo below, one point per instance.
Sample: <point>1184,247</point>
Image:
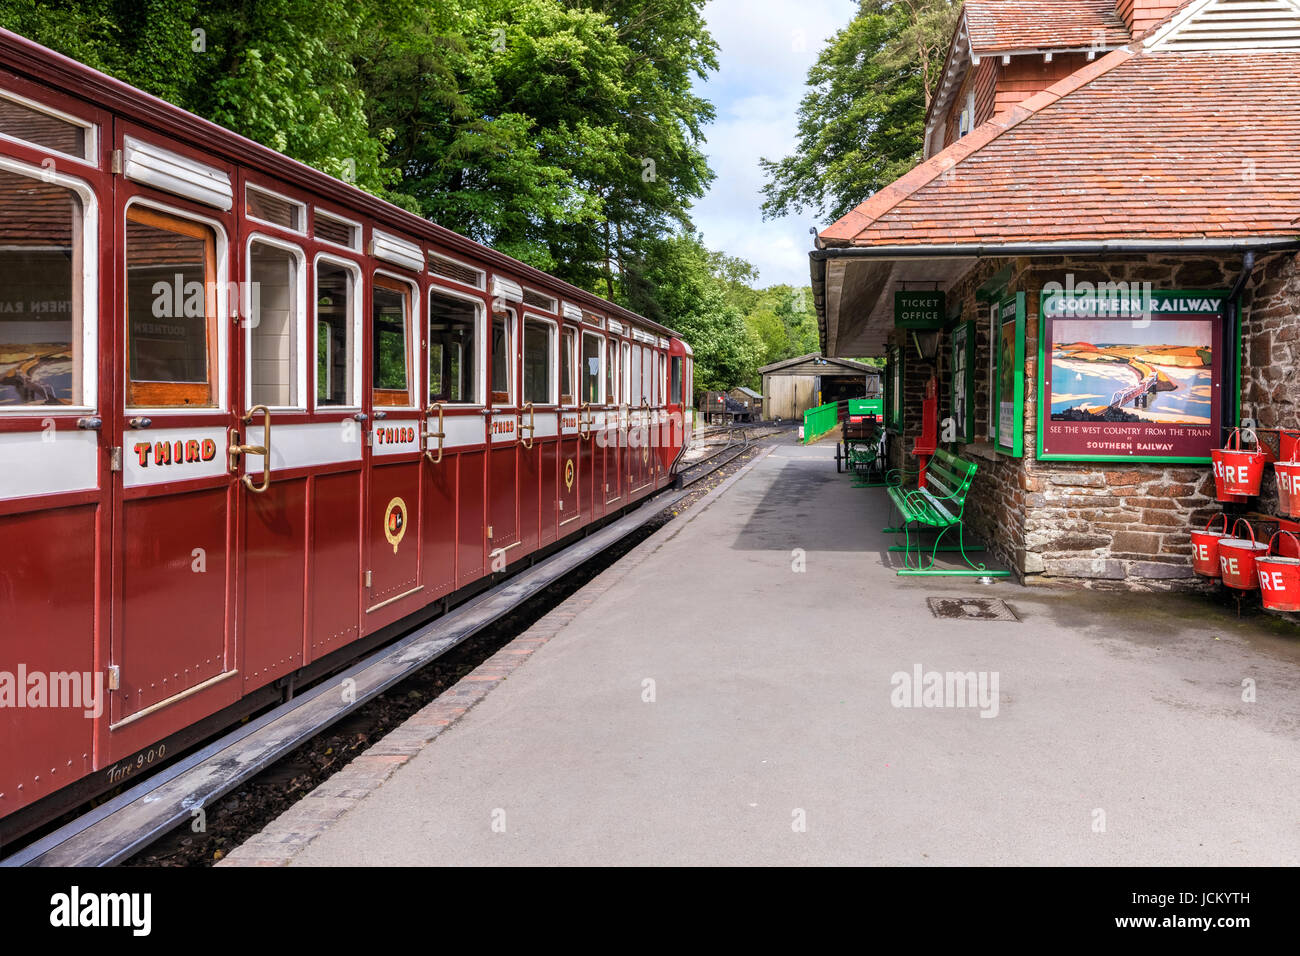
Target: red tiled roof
<point>1131,147</point>
<point>1001,25</point>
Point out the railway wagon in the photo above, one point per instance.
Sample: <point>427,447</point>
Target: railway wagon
<point>254,421</point>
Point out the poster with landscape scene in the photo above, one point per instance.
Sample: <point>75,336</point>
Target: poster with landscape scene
<point>1140,389</point>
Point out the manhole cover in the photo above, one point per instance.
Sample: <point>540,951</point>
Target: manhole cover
<point>971,609</point>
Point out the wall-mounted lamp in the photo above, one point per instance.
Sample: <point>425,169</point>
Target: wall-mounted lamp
<point>926,342</point>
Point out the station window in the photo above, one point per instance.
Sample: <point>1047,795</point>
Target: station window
<point>390,312</point>
<point>275,321</point>
<point>334,339</point>
<point>591,345</point>
<point>675,395</point>
<point>46,129</point>
<point>611,372</point>
<point>539,347</point>
<point>502,355</point>
<point>41,263</point>
<point>453,361</point>
<point>171,311</point>
<point>566,368</point>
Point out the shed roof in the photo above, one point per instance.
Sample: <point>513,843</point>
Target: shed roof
<point>847,364</point>
<point>999,26</point>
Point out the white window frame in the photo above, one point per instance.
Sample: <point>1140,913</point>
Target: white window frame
<point>625,372</point>
<point>92,130</point>
<point>355,246</point>
<point>302,210</point>
<point>246,309</point>
<point>481,335</point>
<point>552,356</point>
<point>600,375</point>
<point>514,328</point>
<point>89,290</point>
<point>415,380</point>
<point>222,356</point>
<point>431,254</point>
<point>358,297</point>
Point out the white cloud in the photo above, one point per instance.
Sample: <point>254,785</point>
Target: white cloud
<point>766,49</point>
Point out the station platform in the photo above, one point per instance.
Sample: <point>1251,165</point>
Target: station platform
<point>732,692</point>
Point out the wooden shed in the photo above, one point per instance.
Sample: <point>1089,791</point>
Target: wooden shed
<point>795,385</point>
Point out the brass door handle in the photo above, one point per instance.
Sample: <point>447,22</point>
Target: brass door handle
<point>263,449</point>
<point>440,434</point>
<point>531,427</point>
<point>585,435</point>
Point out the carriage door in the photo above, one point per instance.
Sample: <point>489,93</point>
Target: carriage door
<point>181,437</point>
<point>591,453</point>
<point>508,425</point>
<point>393,471</point>
<point>610,430</point>
<point>571,498</point>
<point>54,446</point>
<point>539,452</point>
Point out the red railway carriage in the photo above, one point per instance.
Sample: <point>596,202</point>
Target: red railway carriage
<point>253,420</point>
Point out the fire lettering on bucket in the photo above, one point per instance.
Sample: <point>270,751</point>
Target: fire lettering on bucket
<point>1271,581</point>
<point>1228,565</point>
<point>1202,552</point>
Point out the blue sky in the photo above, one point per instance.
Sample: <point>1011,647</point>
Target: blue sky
<point>766,48</point>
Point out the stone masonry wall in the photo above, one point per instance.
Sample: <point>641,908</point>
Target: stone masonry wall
<point>1101,524</point>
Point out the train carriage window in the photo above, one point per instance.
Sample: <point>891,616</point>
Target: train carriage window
<point>590,371</point>
<point>171,311</point>
<point>275,325</point>
<point>41,307</point>
<point>453,359</point>
<point>675,394</point>
<point>647,374</point>
<point>567,389</point>
<point>636,375</point>
<point>539,349</point>
<point>390,312</point>
<point>502,356</point>
<point>268,207</point>
<point>46,128</point>
<point>335,344</point>
<point>625,376</point>
<point>611,372</point>
<point>657,363</point>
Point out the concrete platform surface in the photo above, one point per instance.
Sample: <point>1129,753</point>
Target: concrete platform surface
<point>735,694</point>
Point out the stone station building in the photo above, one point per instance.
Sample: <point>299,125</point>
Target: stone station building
<point>1110,194</point>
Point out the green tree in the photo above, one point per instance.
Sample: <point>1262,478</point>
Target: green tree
<point>861,123</point>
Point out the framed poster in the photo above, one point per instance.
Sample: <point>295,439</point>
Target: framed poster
<point>963,382</point>
<point>894,390</point>
<point>1125,378</point>
<point>1009,346</point>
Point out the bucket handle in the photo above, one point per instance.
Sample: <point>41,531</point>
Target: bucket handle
<point>1293,538</point>
<point>1221,515</point>
<point>1248,528</point>
<point>1234,437</point>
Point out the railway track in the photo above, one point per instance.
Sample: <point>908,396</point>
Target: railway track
<point>130,822</point>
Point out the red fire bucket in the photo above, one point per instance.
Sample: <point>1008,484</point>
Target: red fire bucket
<point>1237,471</point>
<point>1279,577</point>
<point>1205,548</point>
<point>1288,485</point>
<point>1237,558</point>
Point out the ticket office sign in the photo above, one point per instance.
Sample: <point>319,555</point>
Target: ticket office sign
<point>1130,378</point>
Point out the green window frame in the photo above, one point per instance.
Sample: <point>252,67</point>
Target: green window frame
<point>962,403</point>
<point>1009,417</point>
<point>894,390</point>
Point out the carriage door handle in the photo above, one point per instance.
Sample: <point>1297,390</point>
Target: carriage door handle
<point>263,449</point>
<point>531,427</point>
<point>440,434</point>
<point>588,422</point>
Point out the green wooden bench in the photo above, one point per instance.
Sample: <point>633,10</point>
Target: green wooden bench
<point>939,505</point>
